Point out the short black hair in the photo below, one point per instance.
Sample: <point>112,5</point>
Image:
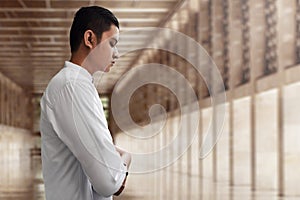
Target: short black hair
<point>95,18</point>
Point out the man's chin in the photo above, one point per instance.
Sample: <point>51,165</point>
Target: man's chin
<point>107,69</point>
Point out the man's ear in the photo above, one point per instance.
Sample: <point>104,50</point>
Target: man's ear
<point>89,39</point>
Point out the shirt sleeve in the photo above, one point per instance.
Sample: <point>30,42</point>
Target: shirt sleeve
<point>78,119</point>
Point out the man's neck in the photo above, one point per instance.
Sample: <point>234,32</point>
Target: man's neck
<point>78,60</point>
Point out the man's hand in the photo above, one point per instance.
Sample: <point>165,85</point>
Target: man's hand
<point>126,157</point>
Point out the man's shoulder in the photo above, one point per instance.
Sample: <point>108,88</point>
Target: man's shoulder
<point>64,77</point>
<point>58,81</point>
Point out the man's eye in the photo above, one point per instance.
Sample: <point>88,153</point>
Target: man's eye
<point>112,44</point>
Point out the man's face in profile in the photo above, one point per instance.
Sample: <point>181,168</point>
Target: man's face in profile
<point>104,55</point>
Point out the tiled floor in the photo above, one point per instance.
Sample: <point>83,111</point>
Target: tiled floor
<point>21,180</point>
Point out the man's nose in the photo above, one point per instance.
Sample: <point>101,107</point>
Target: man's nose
<point>115,53</point>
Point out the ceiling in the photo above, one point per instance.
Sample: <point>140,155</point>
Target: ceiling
<point>34,36</point>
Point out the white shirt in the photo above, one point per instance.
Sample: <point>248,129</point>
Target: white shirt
<point>79,160</point>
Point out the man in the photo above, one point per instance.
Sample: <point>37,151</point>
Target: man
<point>79,159</point>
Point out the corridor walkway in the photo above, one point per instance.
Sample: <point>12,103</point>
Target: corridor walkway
<point>21,178</point>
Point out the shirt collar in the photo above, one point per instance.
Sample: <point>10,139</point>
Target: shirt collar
<point>83,71</point>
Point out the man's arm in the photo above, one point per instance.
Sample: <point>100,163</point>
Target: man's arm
<point>80,124</point>
<point>126,157</point>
